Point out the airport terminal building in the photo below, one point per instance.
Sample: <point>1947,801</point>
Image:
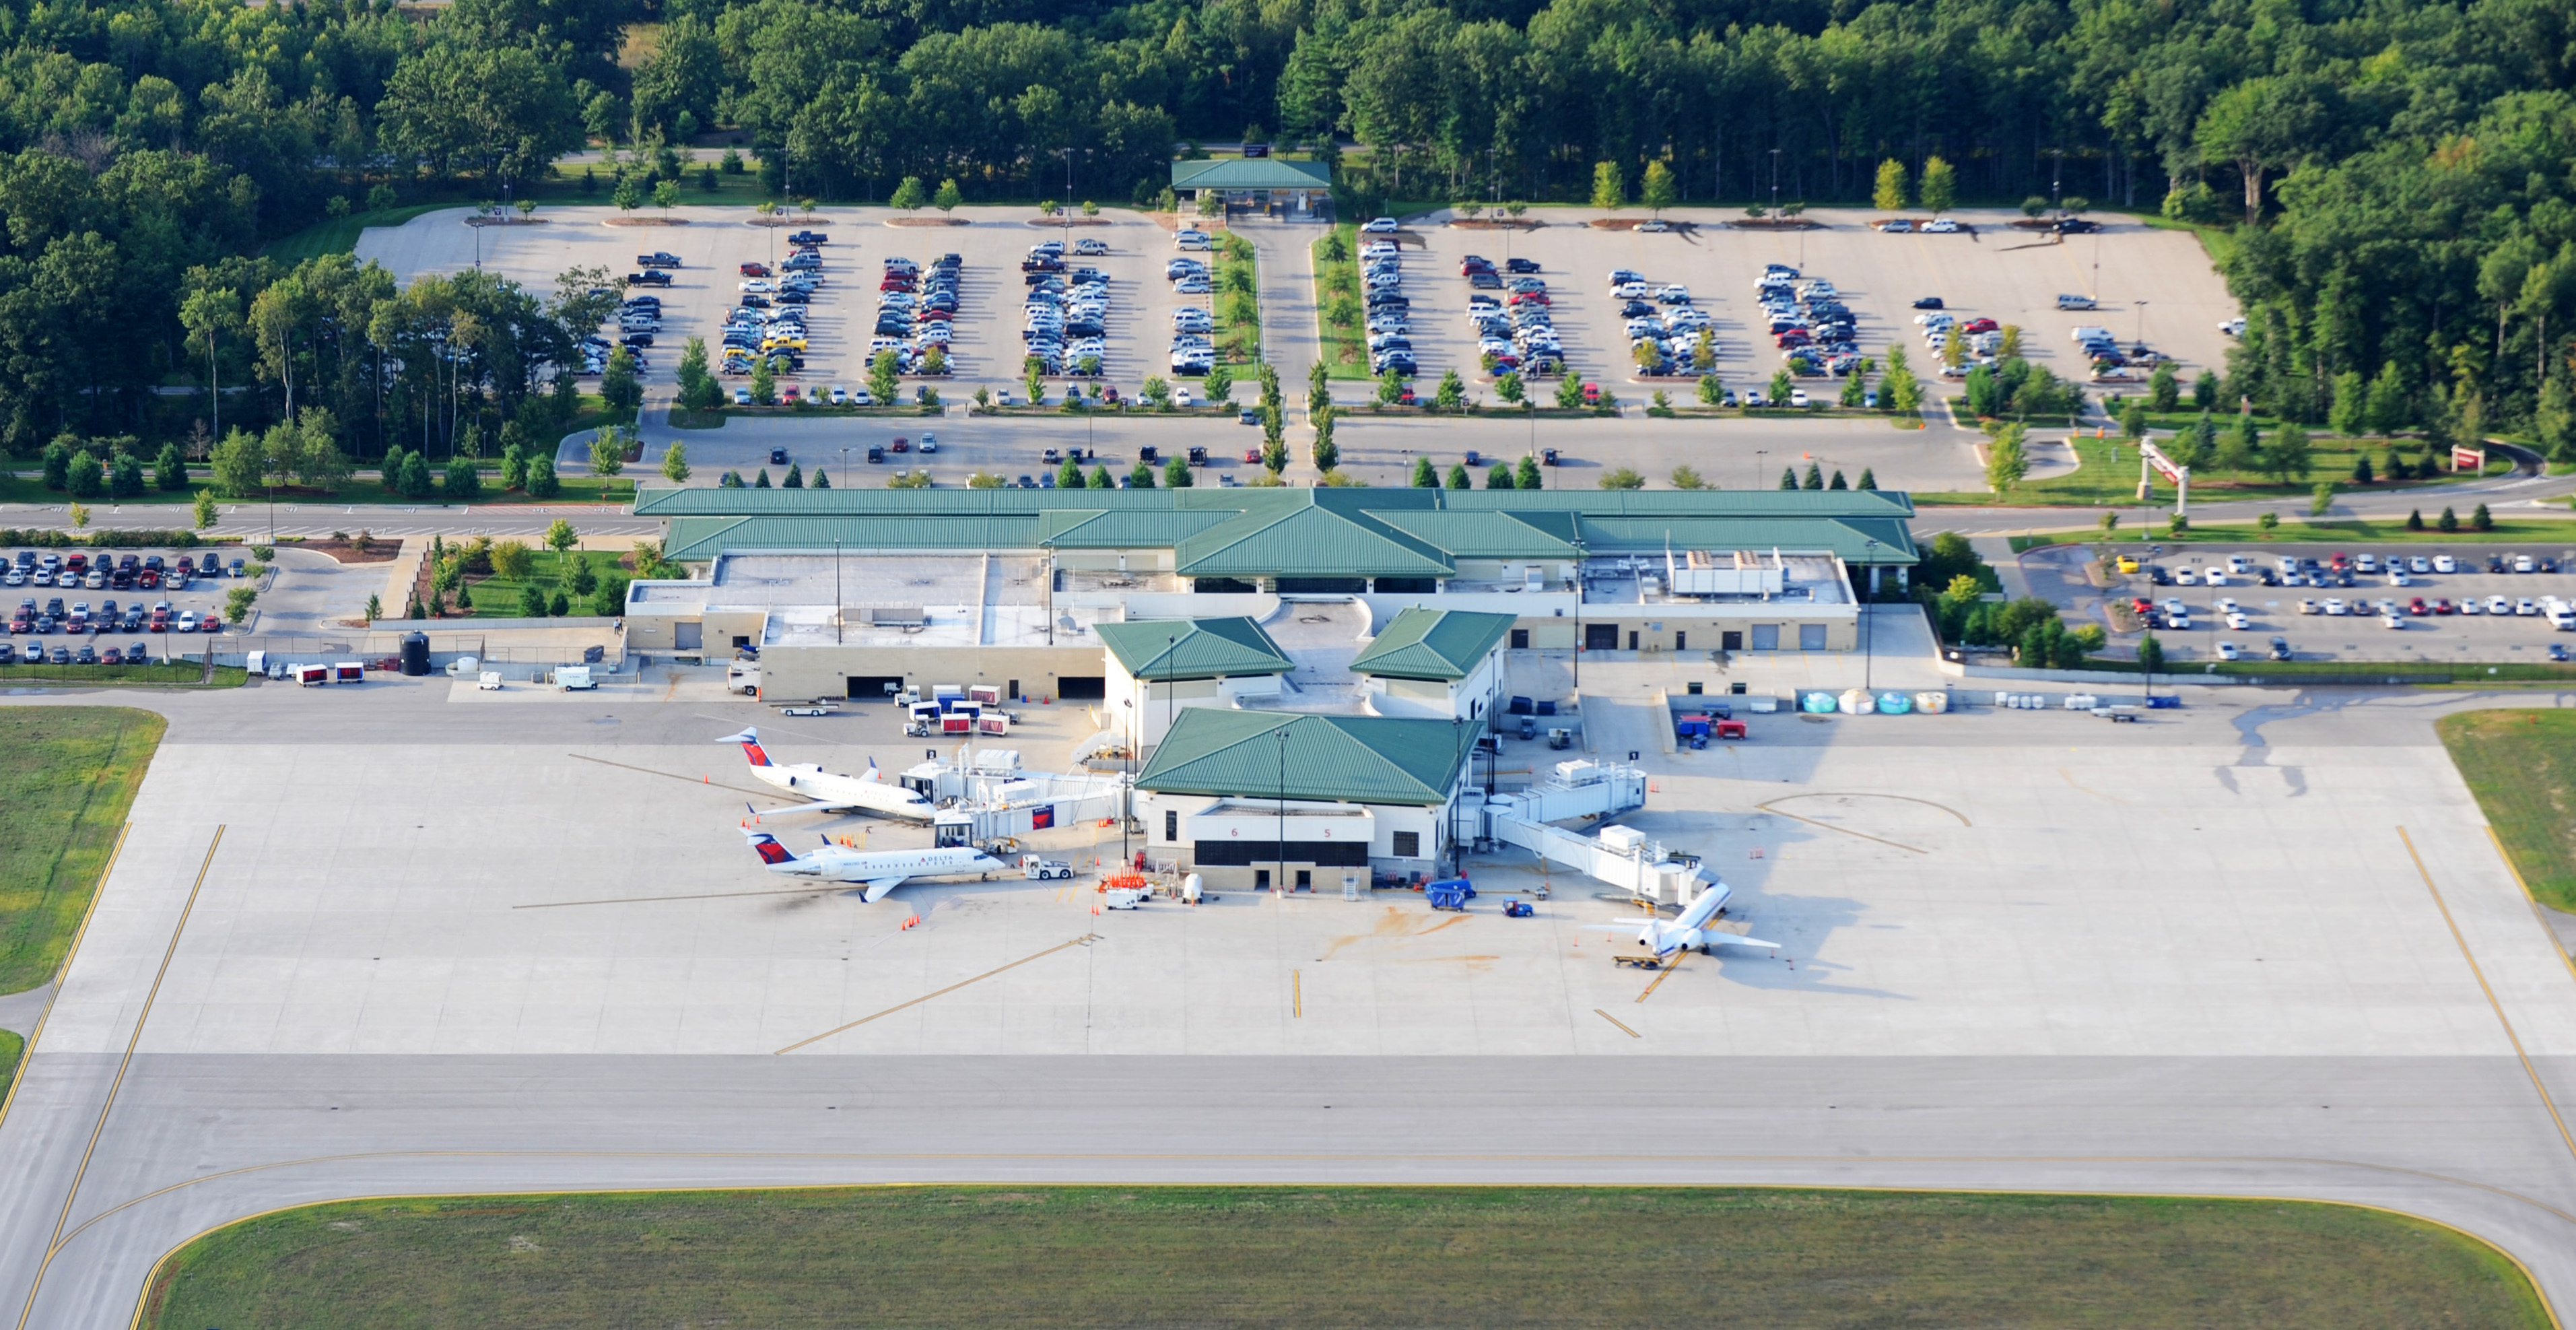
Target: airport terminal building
<point>858,593</point>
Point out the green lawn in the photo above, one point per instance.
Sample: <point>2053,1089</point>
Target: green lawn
<point>157,673</point>
<point>339,235</point>
<point>63,795</point>
<point>2109,475</point>
<point>1334,1256</point>
<point>1237,337</point>
<point>11,1046</point>
<point>1345,346</point>
<point>2522,767</point>
<point>2299,530</point>
<point>498,598</point>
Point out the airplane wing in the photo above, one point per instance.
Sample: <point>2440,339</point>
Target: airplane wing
<point>799,810</point>
<point>878,887</point>
<point>1731,940</point>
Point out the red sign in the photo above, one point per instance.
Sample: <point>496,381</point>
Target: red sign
<point>2164,465</point>
<point>2468,459</point>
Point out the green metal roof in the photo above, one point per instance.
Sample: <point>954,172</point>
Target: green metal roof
<point>1308,542</point>
<point>1194,648</point>
<point>1251,173</point>
<point>1432,644</point>
<point>1354,759</point>
<point>1294,532</point>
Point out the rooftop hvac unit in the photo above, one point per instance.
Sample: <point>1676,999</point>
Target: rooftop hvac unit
<point>897,616</point>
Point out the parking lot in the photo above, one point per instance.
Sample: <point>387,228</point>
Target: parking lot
<point>987,348</point>
<point>107,616</point>
<point>2303,614</point>
<point>2147,282</point>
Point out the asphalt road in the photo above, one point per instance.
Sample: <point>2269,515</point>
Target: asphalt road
<point>111,1162</point>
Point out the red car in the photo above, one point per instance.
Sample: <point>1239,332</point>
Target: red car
<point>1529,298</point>
<point>755,270</point>
<point>1592,394</point>
<point>2444,606</point>
<point>902,445</point>
<point>1975,326</point>
<point>2418,608</point>
<point>1252,457</point>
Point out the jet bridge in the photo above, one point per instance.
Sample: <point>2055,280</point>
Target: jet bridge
<point>1620,856</point>
<point>985,796</point>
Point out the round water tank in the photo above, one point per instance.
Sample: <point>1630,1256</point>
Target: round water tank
<point>415,654</point>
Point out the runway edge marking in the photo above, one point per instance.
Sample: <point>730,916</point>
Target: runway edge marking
<point>27,1054</point>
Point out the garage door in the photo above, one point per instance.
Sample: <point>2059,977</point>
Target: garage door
<point>1811,637</point>
<point>1766,637</point>
<point>686,636</point>
<point>873,687</point>
<point>1600,637</point>
<point>1082,688</point>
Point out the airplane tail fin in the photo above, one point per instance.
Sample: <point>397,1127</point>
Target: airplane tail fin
<point>873,773</point>
<point>768,848</point>
<point>751,749</point>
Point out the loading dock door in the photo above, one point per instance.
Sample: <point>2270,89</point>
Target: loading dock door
<point>873,687</point>
<point>1730,641</point>
<point>688,636</point>
<point>1600,637</point>
<point>1811,637</point>
<point>1766,637</point>
<point>1082,687</point>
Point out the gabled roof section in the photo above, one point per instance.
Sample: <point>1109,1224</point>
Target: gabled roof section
<point>1432,644</point>
<point>1126,529</point>
<point>1194,648</point>
<point>1487,535</point>
<point>1331,759</point>
<point>1251,173</point>
<point>1308,540</point>
<point>708,537</point>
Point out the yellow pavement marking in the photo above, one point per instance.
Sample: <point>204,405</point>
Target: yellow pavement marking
<point>2488,989</point>
<point>1615,1021</point>
<point>928,996</point>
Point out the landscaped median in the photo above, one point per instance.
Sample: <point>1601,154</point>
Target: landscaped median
<point>2107,473</point>
<point>1336,1256</point>
<point>2505,531</point>
<point>1344,343</point>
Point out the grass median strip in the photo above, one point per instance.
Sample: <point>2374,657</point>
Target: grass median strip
<point>2521,765</point>
<point>63,795</point>
<point>1335,1256</point>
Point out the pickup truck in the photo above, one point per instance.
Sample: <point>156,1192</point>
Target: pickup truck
<point>657,259</point>
<point>648,277</point>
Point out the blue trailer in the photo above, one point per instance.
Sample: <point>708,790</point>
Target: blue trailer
<point>1449,893</point>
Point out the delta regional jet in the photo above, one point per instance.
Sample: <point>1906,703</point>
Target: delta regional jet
<point>881,870</point>
<point>830,791</point>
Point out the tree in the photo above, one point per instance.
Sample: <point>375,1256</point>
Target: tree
<point>560,537</point>
<point>2164,387</point>
<point>1425,476</point>
<point>2415,520</point>
<point>1327,454</point>
<point>204,514</point>
<point>666,195</point>
<point>1815,477</point>
<point>1781,386</point>
<point>2007,462</point>
<point>209,316</point>
<point>170,469</point>
<point>85,479</point>
<point>1459,478</point>
<point>2205,391</point>
<point>2288,458</point>
<point>415,481</point>
<point>1788,477</point>
<point>1500,478</point>
<point>1889,195</point>
<point>124,476</point>
<point>1451,397</point>
<point>1688,478</point>
<point>2151,655</point>
<point>619,390</point>
<point>822,479</point>
<point>2133,421</point>
<point>542,483</point>
<point>512,561</point>
<point>2553,419</point>
<point>463,484</point>
<point>764,382</point>
<point>795,477</point>
<point>1390,387</point>
<point>1609,187</point>
<point>1508,387</point>
<point>238,465</point>
<point>1176,474</point>
<point>1940,191</point>
<point>1219,384</point>
<point>2448,521</point>
<point>1622,478</point>
<point>761,481</point>
<point>2361,473</point>
<point>2388,410</point>
<point>1527,476</point>
<point>1838,483</point>
<point>910,195</point>
<point>1100,479</point>
<point>1711,392</point>
<point>58,463</point>
<point>1142,477</point>
<point>607,451</point>
<point>699,390</point>
<point>948,198</point>
<point>1069,476</point>
<point>675,464</point>
<point>2350,413</point>
<point>2237,447</point>
<point>1569,393</point>
<point>2482,520</point>
<point>2268,521</point>
<point>1660,191</point>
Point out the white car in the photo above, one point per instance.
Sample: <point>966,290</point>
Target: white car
<point>1378,249</point>
<point>2217,577</point>
<point>2307,606</point>
<point>862,397</point>
<point>2233,327</point>
<point>2336,607</point>
<point>2392,619</point>
<point>2398,577</point>
<point>2228,651</point>
<point>2443,563</point>
<point>1797,397</point>
<point>1378,226</point>
<point>2499,605</point>
<point>2472,605</point>
<point>757,286</point>
<point>2365,563</point>
<point>1193,286</point>
<point>1088,245</point>
<point>2522,563</point>
<point>1630,291</point>
<point>1941,226</point>
<point>2526,606</point>
<point>840,395</point>
<point>2227,605</point>
<point>1896,227</point>
<point>2238,621</point>
<point>2419,564</point>
<point>1181,397</point>
<point>2187,577</point>
<point>1674,294</point>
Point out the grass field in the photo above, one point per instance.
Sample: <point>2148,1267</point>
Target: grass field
<point>2109,475</point>
<point>11,1046</point>
<point>1503,1256</point>
<point>158,673</point>
<point>2522,767</point>
<point>339,235</point>
<point>2536,536</point>
<point>498,598</point>
<point>72,774</point>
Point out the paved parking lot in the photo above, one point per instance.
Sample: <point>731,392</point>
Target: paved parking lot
<point>987,349</point>
<point>2149,282</point>
<point>202,596</point>
<point>2359,635</point>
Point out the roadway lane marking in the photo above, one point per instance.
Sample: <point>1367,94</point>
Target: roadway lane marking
<point>1087,937</point>
<point>1615,1020</point>
<point>27,1053</point>
<point>54,1244</point>
<point>2483,987</point>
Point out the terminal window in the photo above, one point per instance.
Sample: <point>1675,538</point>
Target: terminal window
<point>1408,845</point>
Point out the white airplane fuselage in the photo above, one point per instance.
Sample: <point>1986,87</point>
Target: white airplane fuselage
<point>832,791</point>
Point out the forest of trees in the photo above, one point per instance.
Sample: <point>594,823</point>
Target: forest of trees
<point>2389,181</point>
